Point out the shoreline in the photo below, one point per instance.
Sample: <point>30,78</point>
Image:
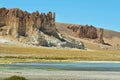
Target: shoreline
<point>67,61</point>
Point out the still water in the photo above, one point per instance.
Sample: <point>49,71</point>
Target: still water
<point>70,66</point>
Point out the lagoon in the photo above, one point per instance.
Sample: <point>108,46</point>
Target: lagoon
<point>71,66</point>
<point>63,70</point>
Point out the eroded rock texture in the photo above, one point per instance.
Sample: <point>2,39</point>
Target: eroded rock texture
<point>101,36</point>
<point>24,23</point>
<point>86,31</point>
<point>34,27</point>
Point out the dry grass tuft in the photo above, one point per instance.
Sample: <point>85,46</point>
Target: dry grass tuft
<point>33,54</point>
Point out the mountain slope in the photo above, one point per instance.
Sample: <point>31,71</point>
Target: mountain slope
<point>110,37</point>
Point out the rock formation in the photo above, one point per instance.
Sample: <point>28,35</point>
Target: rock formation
<point>101,36</point>
<point>25,23</point>
<point>86,31</point>
<point>32,26</point>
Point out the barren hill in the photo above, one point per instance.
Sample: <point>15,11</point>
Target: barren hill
<point>109,36</point>
<point>107,33</point>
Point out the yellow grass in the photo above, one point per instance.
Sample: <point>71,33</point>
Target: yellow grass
<point>34,54</point>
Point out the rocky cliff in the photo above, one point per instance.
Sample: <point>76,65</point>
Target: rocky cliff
<point>23,23</point>
<point>86,31</point>
<point>36,28</point>
<point>101,36</point>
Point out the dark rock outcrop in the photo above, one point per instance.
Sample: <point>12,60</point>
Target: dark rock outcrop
<point>74,44</point>
<point>86,31</point>
<point>101,36</point>
<point>2,24</point>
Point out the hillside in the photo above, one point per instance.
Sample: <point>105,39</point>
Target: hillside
<point>107,33</point>
<point>40,29</point>
<point>109,36</point>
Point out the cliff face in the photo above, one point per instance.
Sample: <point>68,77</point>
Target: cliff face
<point>22,23</point>
<point>101,36</point>
<point>32,28</point>
<point>86,31</point>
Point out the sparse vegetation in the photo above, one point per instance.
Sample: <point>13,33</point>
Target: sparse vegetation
<point>16,78</point>
<point>34,54</point>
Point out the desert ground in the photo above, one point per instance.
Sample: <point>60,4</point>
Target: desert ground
<point>61,75</point>
<point>19,52</point>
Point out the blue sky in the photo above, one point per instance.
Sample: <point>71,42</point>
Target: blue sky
<point>100,13</point>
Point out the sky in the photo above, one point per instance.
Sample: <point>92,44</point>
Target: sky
<point>99,13</point>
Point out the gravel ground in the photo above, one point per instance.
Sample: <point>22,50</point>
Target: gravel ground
<point>61,75</point>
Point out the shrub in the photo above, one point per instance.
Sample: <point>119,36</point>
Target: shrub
<point>16,78</point>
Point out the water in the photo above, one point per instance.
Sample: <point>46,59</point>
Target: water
<point>69,66</point>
